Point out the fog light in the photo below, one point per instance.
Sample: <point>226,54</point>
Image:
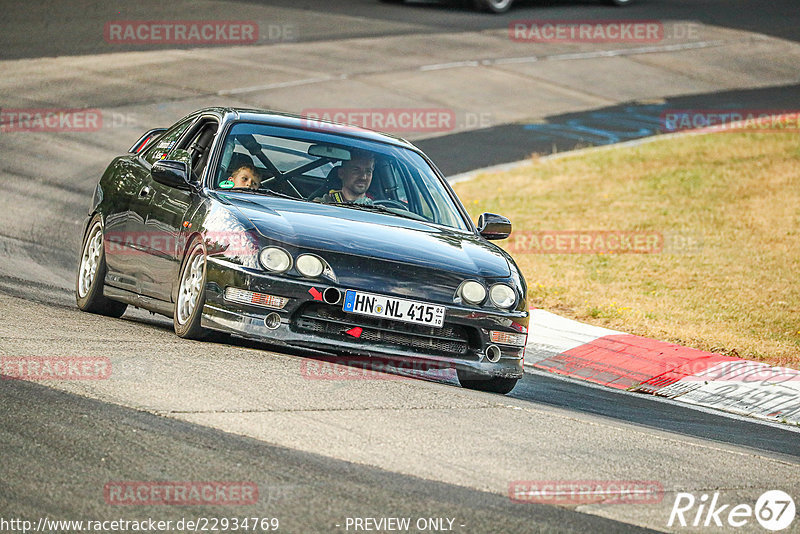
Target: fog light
<point>272,321</point>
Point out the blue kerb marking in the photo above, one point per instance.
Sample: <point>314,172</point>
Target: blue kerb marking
<point>607,127</point>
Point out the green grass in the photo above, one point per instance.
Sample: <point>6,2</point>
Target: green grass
<point>728,205</point>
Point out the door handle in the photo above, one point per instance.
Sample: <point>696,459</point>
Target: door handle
<point>145,191</point>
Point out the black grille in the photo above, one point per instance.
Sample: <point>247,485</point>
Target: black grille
<point>332,322</point>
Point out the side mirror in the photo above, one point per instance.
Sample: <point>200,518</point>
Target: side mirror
<point>493,226</point>
<point>172,173</point>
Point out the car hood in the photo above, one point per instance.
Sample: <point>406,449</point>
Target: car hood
<point>346,231</point>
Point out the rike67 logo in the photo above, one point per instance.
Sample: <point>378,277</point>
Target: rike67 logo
<point>774,510</point>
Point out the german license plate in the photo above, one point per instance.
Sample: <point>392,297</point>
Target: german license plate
<point>409,311</point>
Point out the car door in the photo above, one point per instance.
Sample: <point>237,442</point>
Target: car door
<point>166,212</point>
<point>137,238</point>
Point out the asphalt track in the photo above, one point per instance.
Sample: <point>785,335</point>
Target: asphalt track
<point>306,492</point>
<point>465,151</point>
<point>55,28</point>
<point>543,389</point>
<point>238,411</point>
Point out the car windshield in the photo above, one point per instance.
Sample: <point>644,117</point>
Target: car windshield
<point>320,166</point>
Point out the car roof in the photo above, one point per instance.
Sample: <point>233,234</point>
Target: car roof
<point>290,120</point>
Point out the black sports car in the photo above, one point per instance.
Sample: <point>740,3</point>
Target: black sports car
<point>308,234</point>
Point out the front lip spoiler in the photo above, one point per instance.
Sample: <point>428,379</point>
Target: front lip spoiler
<point>252,327</point>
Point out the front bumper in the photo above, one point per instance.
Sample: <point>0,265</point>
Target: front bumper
<point>307,321</point>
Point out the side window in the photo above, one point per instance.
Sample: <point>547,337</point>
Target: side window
<point>198,144</point>
<point>162,147</point>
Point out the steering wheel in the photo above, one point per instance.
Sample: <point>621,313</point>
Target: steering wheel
<point>388,202</point>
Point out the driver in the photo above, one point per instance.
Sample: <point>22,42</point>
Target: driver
<point>356,176</point>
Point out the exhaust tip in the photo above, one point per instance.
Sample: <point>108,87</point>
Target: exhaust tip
<point>493,353</point>
<point>272,321</point>
<point>331,295</point>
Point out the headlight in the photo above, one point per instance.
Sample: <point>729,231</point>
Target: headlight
<point>275,259</point>
<point>473,292</point>
<point>309,265</point>
<point>502,296</point>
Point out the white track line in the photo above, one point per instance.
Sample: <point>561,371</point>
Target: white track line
<point>471,63</point>
<point>577,55</point>
<point>280,85</point>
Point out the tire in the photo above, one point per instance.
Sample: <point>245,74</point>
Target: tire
<point>619,3</point>
<point>494,384</point>
<point>92,274</point>
<point>191,293</point>
<point>493,6</point>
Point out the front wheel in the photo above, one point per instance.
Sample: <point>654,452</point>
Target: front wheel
<point>495,6</point>
<point>493,384</point>
<point>92,273</point>
<point>191,293</point>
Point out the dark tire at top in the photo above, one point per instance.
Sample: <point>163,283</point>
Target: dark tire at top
<point>493,6</point>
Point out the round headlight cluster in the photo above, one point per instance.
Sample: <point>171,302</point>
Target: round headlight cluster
<point>275,259</point>
<point>502,296</point>
<point>309,265</point>
<point>473,292</point>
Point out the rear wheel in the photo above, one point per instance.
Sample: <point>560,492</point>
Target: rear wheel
<point>491,384</point>
<point>495,6</point>
<point>92,273</point>
<point>191,293</point>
